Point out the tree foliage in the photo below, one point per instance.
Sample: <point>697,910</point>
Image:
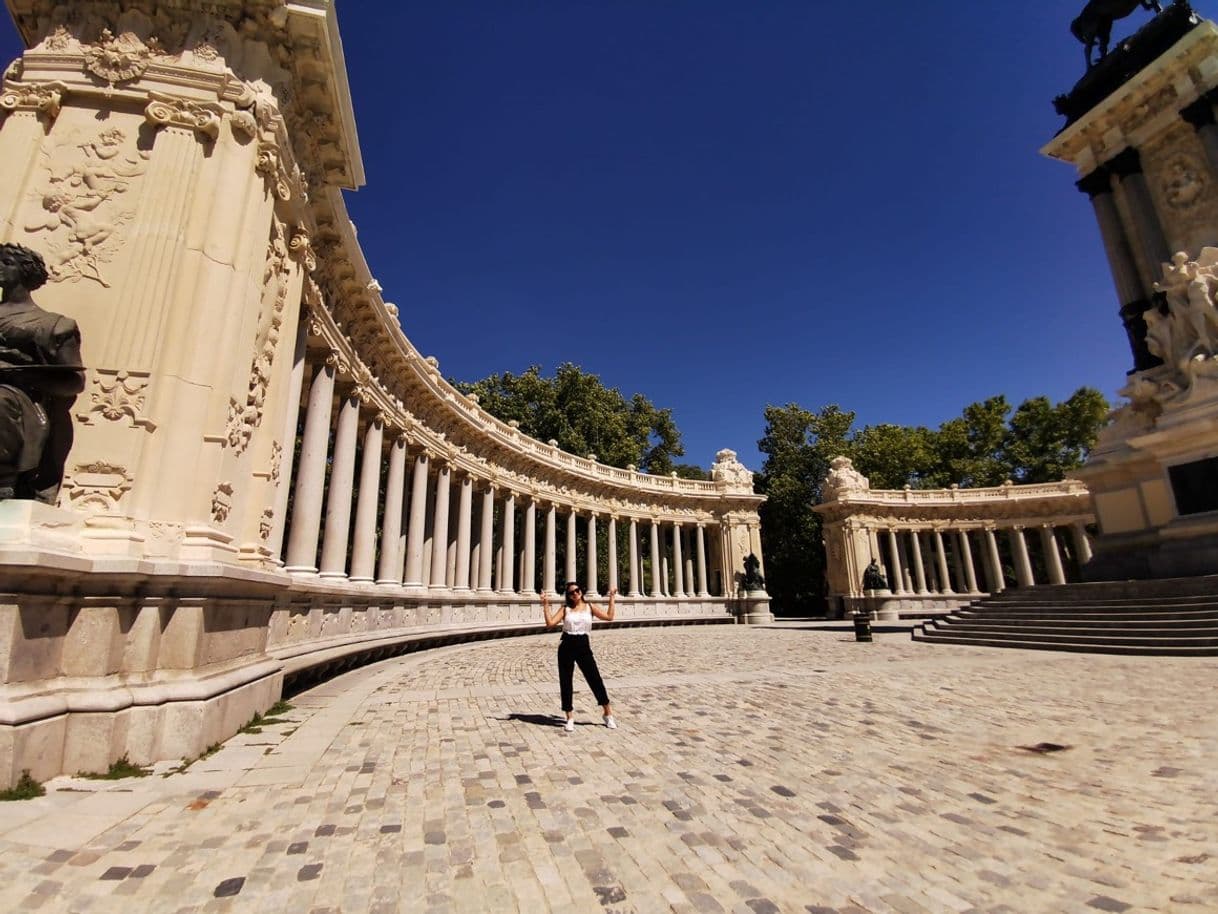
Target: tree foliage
<point>984,446</point>
<point>585,417</point>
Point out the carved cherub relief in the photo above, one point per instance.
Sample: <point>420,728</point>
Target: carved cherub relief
<point>84,201</point>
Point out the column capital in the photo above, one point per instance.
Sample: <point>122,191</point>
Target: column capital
<point>1096,183</point>
<point>1125,163</point>
<point>1200,113</point>
<point>172,111</point>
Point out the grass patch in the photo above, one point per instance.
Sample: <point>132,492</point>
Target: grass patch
<point>117,771</point>
<point>210,750</point>
<point>258,721</point>
<point>26,789</point>
<point>279,707</point>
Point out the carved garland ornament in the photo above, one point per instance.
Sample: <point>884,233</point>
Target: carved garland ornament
<point>222,502</point>
<point>120,59</point>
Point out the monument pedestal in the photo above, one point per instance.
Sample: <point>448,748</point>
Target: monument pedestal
<point>1143,135</point>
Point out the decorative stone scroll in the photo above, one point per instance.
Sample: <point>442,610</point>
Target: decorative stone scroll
<point>41,98</point>
<point>171,111</point>
<point>97,487</point>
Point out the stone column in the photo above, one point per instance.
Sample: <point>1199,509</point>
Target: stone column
<point>571,572</point>
<point>945,581</point>
<point>1023,565</point>
<point>363,550</point>
<point>634,558</point>
<point>311,477</point>
<point>507,580</point>
<point>528,575</point>
<point>997,582</point>
<point>687,550</point>
<point>678,582</point>
<point>1131,294</point>
<point>292,413</point>
<point>391,522</point>
<point>338,500</point>
<point>655,559</point>
<point>897,584</point>
<point>439,526</point>
<point>1082,544</point>
<point>1147,230</point>
<point>486,539</point>
<point>416,526</point>
<point>549,572</point>
<point>1053,559</point>
<point>966,559</point>
<point>703,590</point>
<point>907,579</point>
<point>919,570</point>
<point>591,583</point>
<point>465,511</point>
<point>611,534</point>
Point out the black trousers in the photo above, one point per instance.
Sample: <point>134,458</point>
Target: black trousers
<point>573,649</point>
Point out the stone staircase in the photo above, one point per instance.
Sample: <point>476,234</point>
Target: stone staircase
<point>1172,617</point>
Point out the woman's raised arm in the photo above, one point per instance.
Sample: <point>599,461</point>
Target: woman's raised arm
<point>606,615</point>
<point>552,621</point>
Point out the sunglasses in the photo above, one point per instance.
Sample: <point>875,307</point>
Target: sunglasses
<point>574,590</point>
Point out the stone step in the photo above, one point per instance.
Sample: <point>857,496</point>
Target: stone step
<point>1050,645</point>
<point>1209,621</point>
<point>1206,585</point>
<point>1160,637</point>
<point>1099,612</point>
<point>1135,603</point>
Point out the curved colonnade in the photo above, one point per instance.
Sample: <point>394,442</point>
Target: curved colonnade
<point>942,548</point>
<point>266,474</point>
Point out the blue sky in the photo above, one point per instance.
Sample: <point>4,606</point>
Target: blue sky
<point>725,205</point>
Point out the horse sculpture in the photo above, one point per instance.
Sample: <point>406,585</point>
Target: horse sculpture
<point>1094,24</point>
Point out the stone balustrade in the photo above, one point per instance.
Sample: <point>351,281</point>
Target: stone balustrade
<point>942,548</point>
<point>266,474</point>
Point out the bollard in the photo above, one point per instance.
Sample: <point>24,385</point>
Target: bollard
<point>862,627</point>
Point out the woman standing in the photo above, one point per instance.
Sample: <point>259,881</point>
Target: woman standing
<point>575,616</point>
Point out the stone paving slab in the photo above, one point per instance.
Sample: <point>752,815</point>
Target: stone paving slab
<point>755,770</point>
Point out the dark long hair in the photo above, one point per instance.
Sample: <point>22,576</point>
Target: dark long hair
<point>567,588</point>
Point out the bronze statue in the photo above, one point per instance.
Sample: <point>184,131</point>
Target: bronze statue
<point>1094,24</point>
<point>873,577</point>
<point>40,376</point>
<point>752,573</point>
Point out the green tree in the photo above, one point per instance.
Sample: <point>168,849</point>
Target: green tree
<point>892,456</point>
<point>1044,442</point>
<point>584,416</point>
<point>798,446</point>
<point>968,449</point>
<point>1039,443</point>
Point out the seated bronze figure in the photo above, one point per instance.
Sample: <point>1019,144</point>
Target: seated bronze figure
<point>40,376</point>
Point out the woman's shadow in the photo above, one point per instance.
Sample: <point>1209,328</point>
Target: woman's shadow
<point>539,720</point>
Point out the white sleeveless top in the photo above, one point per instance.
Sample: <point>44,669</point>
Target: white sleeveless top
<point>577,622</point>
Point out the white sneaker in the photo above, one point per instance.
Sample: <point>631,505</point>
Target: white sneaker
<point>610,722</point>
<point>569,726</point>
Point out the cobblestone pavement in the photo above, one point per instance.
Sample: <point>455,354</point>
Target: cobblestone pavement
<point>755,770</point>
